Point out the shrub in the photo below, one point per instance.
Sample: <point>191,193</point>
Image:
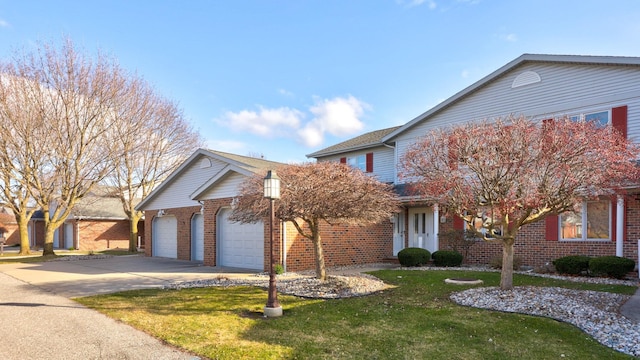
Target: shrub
<point>572,264</point>
<point>412,256</point>
<point>458,240</point>
<point>496,262</point>
<point>278,269</point>
<point>613,266</point>
<point>446,258</point>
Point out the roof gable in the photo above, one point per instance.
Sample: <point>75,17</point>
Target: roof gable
<point>241,164</point>
<point>521,60</point>
<point>364,141</point>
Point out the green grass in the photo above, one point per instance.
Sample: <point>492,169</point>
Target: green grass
<point>414,320</point>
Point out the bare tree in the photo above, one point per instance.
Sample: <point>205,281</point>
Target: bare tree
<point>153,138</point>
<point>505,174</point>
<point>22,134</point>
<point>318,192</point>
<point>70,100</point>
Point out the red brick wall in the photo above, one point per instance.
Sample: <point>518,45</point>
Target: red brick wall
<point>534,250</point>
<point>342,245</point>
<point>101,234</point>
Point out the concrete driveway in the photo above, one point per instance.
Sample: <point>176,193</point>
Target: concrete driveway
<point>101,276</point>
<point>39,321</point>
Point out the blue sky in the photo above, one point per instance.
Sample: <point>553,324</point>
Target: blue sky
<point>286,78</point>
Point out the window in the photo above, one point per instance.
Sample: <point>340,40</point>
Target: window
<point>601,118</point>
<point>591,221</point>
<point>482,221</point>
<point>358,162</point>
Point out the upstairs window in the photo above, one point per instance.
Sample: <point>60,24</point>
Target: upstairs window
<point>601,118</point>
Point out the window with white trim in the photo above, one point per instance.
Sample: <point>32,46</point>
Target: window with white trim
<point>591,221</point>
<point>481,222</point>
<point>358,162</point>
<point>601,118</point>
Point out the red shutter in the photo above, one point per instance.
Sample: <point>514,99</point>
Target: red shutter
<point>551,227</point>
<point>458,223</point>
<point>369,162</point>
<point>619,119</point>
<point>343,160</point>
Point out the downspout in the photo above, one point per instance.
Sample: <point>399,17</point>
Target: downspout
<point>436,226</point>
<point>620,226</point>
<point>284,245</point>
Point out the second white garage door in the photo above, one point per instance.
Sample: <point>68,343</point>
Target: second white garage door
<point>240,245</point>
<point>165,237</point>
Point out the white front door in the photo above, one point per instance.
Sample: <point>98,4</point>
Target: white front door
<point>421,232</point>
<point>398,233</point>
<point>197,237</point>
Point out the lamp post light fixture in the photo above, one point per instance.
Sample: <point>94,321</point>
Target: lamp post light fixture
<point>272,192</point>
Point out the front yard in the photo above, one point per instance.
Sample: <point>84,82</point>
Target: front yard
<point>414,320</point>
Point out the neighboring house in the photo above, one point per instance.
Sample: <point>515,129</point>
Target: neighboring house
<point>540,87</point>
<point>187,218</point>
<point>97,222</point>
<point>8,221</point>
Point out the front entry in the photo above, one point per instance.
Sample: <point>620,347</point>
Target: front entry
<point>421,232</point>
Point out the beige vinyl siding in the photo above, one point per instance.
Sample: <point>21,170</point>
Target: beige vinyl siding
<point>177,194</point>
<point>564,89</point>
<point>226,187</point>
<point>383,161</point>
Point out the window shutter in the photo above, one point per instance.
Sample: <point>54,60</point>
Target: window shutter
<point>619,119</point>
<point>551,227</point>
<point>343,160</point>
<point>369,165</point>
<point>458,223</point>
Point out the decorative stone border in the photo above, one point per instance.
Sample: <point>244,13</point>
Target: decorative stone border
<point>463,281</point>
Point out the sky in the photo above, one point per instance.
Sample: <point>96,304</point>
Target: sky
<point>283,79</point>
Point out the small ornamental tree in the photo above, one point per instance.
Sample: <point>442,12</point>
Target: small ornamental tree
<point>314,193</point>
<point>501,175</point>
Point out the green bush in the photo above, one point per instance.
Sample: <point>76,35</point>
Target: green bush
<point>572,264</point>
<point>496,262</point>
<point>446,258</point>
<point>278,269</point>
<point>613,266</point>
<point>412,256</point>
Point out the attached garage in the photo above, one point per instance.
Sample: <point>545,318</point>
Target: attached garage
<point>165,237</point>
<point>240,245</point>
<point>197,237</point>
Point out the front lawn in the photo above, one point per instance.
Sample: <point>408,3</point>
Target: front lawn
<point>415,320</point>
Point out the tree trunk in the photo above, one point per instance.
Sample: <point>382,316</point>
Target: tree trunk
<point>133,236</point>
<point>321,272</point>
<point>49,232</point>
<point>23,230</point>
<point>506,276</point>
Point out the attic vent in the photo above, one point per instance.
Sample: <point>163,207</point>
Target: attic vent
<point>205,163</point>
<point>526,78</point>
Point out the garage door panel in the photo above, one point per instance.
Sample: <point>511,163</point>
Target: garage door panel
<point>165,237</point>
<point>241,245</point>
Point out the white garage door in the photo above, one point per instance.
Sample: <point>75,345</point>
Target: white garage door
<point>240,245</point>
<point>197,238</point>
<point>165,237</point>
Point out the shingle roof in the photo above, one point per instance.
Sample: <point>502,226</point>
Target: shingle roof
<point>248,162</point>
<point>363,141</point>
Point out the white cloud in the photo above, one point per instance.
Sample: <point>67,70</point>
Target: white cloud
<point>265,122</point>
<point>509,37</point>
<point>464,74</point>
<point>431,4</point>
<point>285,92</point>
<point>337,116</point>
<point>4,23</point>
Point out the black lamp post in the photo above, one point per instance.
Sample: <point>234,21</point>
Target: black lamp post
<point>272,192</point>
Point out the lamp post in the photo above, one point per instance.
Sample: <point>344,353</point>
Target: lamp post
<point>272,192</point>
